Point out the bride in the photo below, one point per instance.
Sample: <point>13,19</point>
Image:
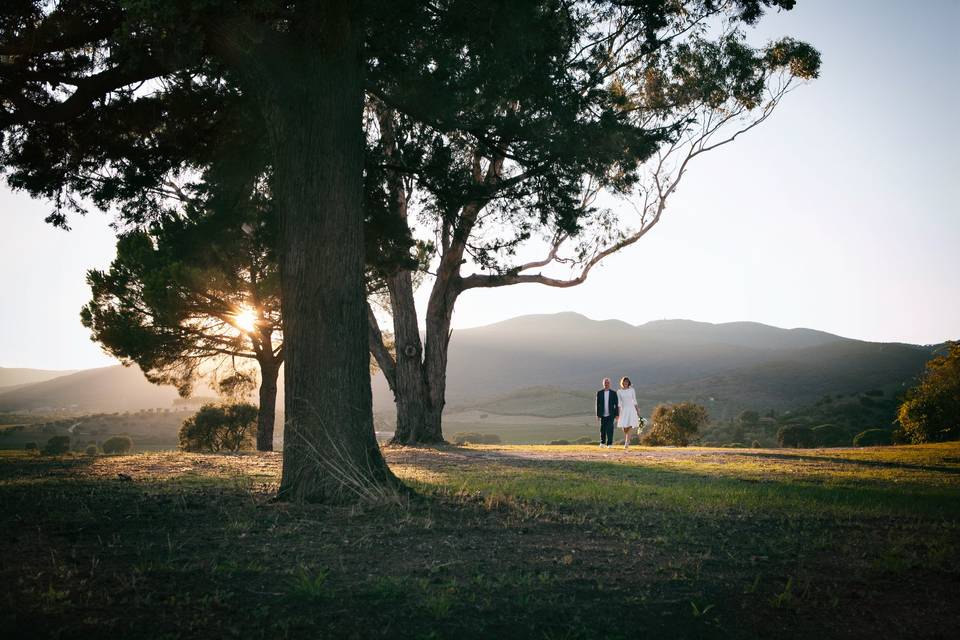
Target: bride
<point>629,413</point>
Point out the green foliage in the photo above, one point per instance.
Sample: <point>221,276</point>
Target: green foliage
<point>829,435</point>
<point>873,438</point>
<point>931,412</point>
<point>748,418</point>
<point>675,424</point>
<point>117,445</point>
<point>559,442</point>
<point>91,450</point>
<point>229,427</point>
<point>56,446</point>
<point>585,440</point>
<point>472,437</point>
<point>755,444</point>
<point>796,436</point>
<point>30,446</point>
<point>170,299</point>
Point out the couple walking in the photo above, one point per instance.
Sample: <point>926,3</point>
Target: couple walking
<point>619,406</point>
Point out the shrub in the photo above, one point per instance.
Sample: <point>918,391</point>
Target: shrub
<point>796,436</point>
<point>91,450</point>
<point>585,440</point>
<point>675,424</point>
<point>735,445</point>
<point>931,412</point>
<point>748,417</point>
<point>829,435</point>
<point>559,442</point>
<point>873,438</point>
<point>30,446</point>
<point>472,437</point>
<point>57,445</point>
<point>117,444</point>
<point>755,444</point>
<point>230,427</point>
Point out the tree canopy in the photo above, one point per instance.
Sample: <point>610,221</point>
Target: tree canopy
<point>931,411</point>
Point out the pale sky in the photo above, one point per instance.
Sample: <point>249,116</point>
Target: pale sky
<point>840,213</point>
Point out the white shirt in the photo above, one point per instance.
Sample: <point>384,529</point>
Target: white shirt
<point>606,402</point>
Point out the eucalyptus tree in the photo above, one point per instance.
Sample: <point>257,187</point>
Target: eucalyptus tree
<point>574,161</point>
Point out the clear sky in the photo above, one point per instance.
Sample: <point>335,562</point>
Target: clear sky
<point>840,213</point>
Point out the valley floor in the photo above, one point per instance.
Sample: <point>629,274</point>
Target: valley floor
<point>499,541</point>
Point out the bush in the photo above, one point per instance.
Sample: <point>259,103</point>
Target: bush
<point>91,450</point>
<point>931,412</point>
<point>756,445</point>
<point>796,436</point>
<point>230,427</point>
<point>735,445</point>
<point>472,437</point>
<point>873,438</point>
<point>57,446</point>
<point>30,446</point>
<point>117,444</point>
<point>675,424</point>
<point>559,442</point>
<point>585,440</point>
<point>829,435</point>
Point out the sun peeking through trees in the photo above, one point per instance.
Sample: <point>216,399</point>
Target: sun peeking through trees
<point>504,120</point>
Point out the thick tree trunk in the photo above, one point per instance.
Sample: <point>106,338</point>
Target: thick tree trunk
<point>418,417</point>
<point>266,417</point>
<point>312,98</point>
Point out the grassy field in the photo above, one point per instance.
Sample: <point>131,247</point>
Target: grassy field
<point>507,541</point>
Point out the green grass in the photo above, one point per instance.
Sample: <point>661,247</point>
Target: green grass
<point>508,541</point>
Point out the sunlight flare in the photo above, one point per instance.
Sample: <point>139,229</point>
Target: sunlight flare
<point>246,319</point>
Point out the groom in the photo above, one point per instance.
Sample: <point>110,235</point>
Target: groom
<point>608,407</point>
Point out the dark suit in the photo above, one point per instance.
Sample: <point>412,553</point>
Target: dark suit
<point>607,421</point>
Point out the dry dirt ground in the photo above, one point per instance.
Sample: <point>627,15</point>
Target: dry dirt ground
<point>532,542</point>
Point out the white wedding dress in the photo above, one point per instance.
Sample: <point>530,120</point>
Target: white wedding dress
<point>628,408</point>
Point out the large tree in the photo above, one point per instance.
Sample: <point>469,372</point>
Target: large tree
<point>514,82</point>
<point>576,160</point>
<point>194,297</point>
<point>302,65</point>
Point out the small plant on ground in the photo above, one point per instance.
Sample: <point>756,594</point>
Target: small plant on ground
<point>117,445</point>
<point>213,428</point>
<point>675,424</point>
<point>471,437</point>
<point>57,446</point>
<point>91,450</point>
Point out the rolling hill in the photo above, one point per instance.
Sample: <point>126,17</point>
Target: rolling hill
<point>12,378</point>
<point>544,364</point>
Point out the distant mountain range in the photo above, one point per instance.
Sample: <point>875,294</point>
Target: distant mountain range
<point>732,365</point>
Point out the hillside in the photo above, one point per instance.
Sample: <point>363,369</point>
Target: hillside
<point>731,366</point>
<point>114,388</point>
<point>738,364</point>
<point>12,378</point>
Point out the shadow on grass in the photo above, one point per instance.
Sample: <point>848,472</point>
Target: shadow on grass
<point>602,483</point>
<point>876,464</point>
